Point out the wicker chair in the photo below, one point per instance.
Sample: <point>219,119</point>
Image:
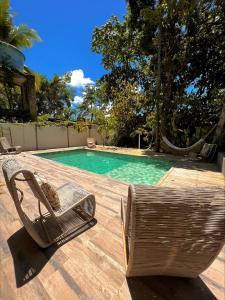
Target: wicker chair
<point>208,151</point>
<point>172,232</point>
<point>77,206</point>
<point>91,143</point>
<point>5,147</point>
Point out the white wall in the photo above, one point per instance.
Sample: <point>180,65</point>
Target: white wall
<point>77,138</point>
<point>96,135</point>
<point>33,137</point>
<point>51,137</point>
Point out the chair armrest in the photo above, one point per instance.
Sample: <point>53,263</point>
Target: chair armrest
<point>123,213</point>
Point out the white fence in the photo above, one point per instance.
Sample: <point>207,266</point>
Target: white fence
<point>33,137</point>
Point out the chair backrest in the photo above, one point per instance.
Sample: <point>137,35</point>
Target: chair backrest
<point>208,150</point>
<point>174,231</point>
<point>91,140</point>
<point>13,171</point>
<point>4,144</point>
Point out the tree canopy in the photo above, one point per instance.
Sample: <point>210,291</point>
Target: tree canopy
<point>173,52</point>
<point>19,36</point>
<point>53,96</point>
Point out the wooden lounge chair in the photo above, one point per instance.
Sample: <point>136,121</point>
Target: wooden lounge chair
<point>77,206</point>
<point>91,143</point>
<point>172,232</point>
<point>5,147</point>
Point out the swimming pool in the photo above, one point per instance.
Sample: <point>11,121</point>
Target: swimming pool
<point>128,168</point>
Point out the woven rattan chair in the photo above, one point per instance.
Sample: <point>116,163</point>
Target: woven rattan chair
<point>5,147</point>
<point>172,232</point>
<point>208,151</point>
<point>91,143</point>
<point>77,206</point>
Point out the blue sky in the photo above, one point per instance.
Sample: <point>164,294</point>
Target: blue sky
<point>66,29</point>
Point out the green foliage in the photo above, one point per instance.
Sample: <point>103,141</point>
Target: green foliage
<point>69,113</point>
<point>86,108</point>
<point>43,120</point>
<point>47,119</point>
<point>129,111</point>
<point>19,36</point>
<point>38,78</point>
<point>112,41</point>
<point>165,49</point>
<point>54,95</point>
<point>95,109</point>
<point>5,20</point>
<point>10,96</point>
<point>81,125</point>
<point>107,129</point>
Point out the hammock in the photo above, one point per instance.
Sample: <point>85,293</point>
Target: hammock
<point>168,147</point>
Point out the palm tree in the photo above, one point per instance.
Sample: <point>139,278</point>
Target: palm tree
<point>19,36</point>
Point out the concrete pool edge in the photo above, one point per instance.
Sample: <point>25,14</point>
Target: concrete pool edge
<point>118,150</point>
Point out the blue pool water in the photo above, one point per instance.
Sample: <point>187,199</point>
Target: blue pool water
<point>128,168</point>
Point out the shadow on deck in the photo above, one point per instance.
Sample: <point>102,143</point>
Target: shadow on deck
<point>169,288</point>
<point>29,259</point>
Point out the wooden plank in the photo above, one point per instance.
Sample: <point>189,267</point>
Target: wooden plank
<point>91,266</point>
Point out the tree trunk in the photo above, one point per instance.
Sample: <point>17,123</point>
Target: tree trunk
<point>158,94</point>
<point>220,127</point>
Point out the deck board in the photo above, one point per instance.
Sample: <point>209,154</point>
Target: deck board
<point>91,266</point>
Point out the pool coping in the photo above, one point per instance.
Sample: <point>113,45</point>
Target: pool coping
<point>119,150</point>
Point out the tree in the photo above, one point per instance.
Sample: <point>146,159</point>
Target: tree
<point>69,113</point>
<point>173,51</point>
<point>19,36</point>
<point>219,136</point>
<point>129,112</point>
<point>87,106</point>
<point>118,49</point>
<point>192,51</point>
<point>54,95</point>
<point>10,96</point>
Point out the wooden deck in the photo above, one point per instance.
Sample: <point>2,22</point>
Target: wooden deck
<point>91,266</point>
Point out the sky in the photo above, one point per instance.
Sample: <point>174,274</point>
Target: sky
<point>66,30</point>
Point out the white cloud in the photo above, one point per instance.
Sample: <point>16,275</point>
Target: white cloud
<point>77,100</point>
<point>78,80</point>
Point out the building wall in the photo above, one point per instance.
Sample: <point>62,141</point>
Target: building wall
<point>33,137</point>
